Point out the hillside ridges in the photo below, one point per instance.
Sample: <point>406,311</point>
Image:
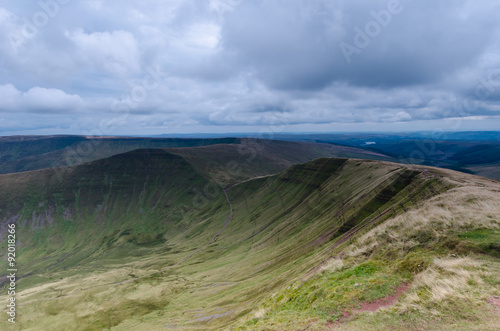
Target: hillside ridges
<point>135,217</point>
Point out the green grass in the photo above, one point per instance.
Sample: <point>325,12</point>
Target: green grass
<point>486,241</point>
<point>328,295</point>
<point>133,218</point>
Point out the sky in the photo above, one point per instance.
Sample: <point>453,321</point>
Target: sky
<point>212,66</point>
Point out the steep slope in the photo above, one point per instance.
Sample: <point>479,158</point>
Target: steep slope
<point>435,267</point>
<point>148,240</point>
<point>67,215</point>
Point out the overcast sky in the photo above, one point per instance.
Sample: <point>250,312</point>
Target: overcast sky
<point>181,66</point>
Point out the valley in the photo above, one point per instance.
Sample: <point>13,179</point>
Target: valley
<point>251,236</point>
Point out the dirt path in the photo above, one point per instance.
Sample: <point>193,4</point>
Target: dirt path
<point>384,302</point>
<point>495,301</point>
<point>376,304</point>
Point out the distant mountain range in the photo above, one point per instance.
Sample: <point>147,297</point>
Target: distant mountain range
<point>471,152</point>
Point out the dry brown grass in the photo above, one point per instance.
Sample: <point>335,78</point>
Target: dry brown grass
<point>455,280</point>
<point>332,265</point>
<point>457,210</point>
<point>449,292</point>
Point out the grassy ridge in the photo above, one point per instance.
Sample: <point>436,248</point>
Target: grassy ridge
<point>126,244</point>
<point>446,248</point>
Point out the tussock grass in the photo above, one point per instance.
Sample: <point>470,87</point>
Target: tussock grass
<point>434,245</point>
<point>435,221</point>
<point>455,282</point>
<point>332,265</point>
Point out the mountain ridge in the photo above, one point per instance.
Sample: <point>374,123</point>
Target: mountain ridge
<point>162,227</point>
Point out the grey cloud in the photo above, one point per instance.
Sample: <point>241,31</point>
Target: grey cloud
<point>248,64</point>
<point>424,41</point>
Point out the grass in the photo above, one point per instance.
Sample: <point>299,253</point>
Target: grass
<point>330,294</point>
<point>280,263</point>
<point>426,246</point>
<point>486,241</point>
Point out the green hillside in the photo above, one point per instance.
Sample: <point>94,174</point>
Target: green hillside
<point>158,239</point>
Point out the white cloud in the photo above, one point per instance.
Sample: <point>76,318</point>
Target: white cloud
<point>10,97</point>
<point>202,36</point>
<point>38,100</point>
<point>51,100</point>
<point>115,52</point>
<point>4,15</point>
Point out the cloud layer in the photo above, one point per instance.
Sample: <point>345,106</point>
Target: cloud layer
<point>133,67</point>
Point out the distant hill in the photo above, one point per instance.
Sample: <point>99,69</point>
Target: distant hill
<point>471,152</point>
<point>25,153</point>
